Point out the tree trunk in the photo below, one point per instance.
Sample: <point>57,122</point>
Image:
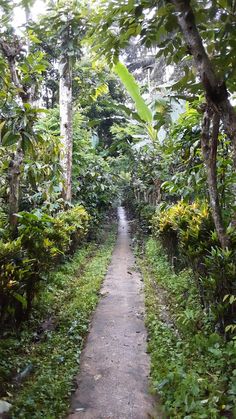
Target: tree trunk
<point>215,89</point>
<point>209,145</point>
<point>66,130</point>
<point>14,187</point>
<point>10,52</point>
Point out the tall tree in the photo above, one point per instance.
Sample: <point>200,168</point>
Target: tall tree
<point>10,50</point>
<point>66,129</point>
<point>24,70</point>
<point>65,27</point>
<point>65,104</point>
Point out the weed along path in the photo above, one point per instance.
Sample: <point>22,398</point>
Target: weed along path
<point>113,378</point>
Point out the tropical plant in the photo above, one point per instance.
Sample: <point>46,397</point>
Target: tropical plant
<point>25,262</point>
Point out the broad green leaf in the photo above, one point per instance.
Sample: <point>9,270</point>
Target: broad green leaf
<point>129,112</point>
<point>27,145</point>
<point>10,138</point>
<point>2,125</point>
<point>232,299</point>
<point>133,89</point>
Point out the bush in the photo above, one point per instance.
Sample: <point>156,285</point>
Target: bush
<point>188,228</point>
<point>187,232</point>
<point>96,186</point>
<point>15,268</point>
<point>42,243</point>
<point>77,221</point>
<point>145,212</point>
<point>43,236</point>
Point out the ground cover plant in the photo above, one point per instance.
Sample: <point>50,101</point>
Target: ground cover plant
<point>192,368</point>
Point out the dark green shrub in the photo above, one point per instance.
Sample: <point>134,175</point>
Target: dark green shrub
<point>15,272</point>
<point>96,185</point>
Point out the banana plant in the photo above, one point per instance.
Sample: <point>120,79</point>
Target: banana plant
<point>153,116</point>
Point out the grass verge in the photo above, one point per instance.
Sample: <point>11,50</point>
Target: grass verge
<point>49,355</point>
<point>192,367</point>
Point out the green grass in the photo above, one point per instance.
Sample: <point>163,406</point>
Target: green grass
<point>69,300</point>
<point>191,365</point>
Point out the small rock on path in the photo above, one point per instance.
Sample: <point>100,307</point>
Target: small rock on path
<point>113,378</point>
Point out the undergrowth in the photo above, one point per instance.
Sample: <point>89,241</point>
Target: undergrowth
<point>192,367</point>
<point>52,356</point>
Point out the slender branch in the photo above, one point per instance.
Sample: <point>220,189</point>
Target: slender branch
<point>209,144</point>
<point>10,51</point>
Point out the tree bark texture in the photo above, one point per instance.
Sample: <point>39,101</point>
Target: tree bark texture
<point>66,129</point>
<point>14,186</point>
<point>215,89</point>
<point>209,143</point>
<point>10,51</point>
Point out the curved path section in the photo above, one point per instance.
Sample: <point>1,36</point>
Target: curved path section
<point>113,378</point>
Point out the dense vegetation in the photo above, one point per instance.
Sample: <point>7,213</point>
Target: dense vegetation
<point>127,102</point>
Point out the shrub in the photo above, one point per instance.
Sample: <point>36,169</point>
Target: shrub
<point>42,243</point>
<point>96,186</point>
<point>15,268</point>
<point>145,212</point>
<point>188,227</point>
<point>77,220</point>
<point>43,237</point>
<point>187,232</point>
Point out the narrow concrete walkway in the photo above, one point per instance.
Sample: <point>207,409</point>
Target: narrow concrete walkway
<point>113,378</point>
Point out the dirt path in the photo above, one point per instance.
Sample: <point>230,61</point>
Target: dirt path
<point>113,379</point>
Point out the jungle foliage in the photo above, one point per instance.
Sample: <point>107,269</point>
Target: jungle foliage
<point>183,177</point>
<point>150,121</point>
<point>39,225</point>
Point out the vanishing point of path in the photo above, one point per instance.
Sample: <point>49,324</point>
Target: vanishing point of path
<point>113,378</point>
